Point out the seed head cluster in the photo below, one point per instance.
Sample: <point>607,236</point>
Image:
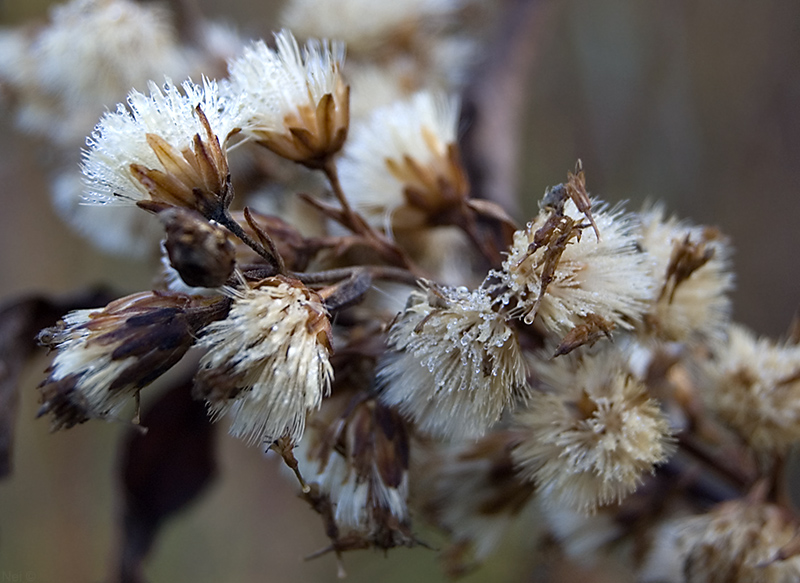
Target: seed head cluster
<point>347,302</point>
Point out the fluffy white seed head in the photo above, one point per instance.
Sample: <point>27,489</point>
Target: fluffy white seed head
<point>87,58</point>
<point>267,364</point>
<point>453,364</point>
<point>294,102</point>
<point>120,139</point>
<point>609,277</point>
<point>92,362</point>
<point>358,457</point>
<point>398,163</point>
<point>105,356</point>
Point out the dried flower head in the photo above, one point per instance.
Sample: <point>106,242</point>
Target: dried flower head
<point>557,273</point>
<point>402,166</point>
<point>754,386</point>
<point>268,363</point>
<point>737,542</point>
<point>296,104</point>
<point>692,268</point>
<point>82,61</point>
<point>358,455</point>
<point>106,356</point>
<point>473,492</point>
<point>167,149</point>
<point>362,24</point>
<point>592,435</point>
<point>453,363</point>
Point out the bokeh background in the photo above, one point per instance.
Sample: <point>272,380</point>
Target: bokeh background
<point>696,104</point>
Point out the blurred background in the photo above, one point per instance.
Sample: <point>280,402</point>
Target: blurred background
<point>696,104</point>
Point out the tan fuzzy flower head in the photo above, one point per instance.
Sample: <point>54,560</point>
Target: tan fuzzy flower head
<point>608,277</point>
<point>165,148</point>
<point>692,268</point>
<point>294,103</point>
<point>591,437</point>
<point>81,62</point>
<point>453,364</point>
<point>358,455</point>
<point>754,386</point>
<point>268,363</point>
<point>401,167</point>
<point>362,23</point>
<point>737,542</point>
<point>105,356</point>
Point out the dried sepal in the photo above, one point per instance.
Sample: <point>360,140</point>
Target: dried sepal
<point>576,190</point>
<point>104,357</point>
<point>593,329</point>
<point>194,177</point>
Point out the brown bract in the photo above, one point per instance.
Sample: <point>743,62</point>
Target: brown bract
<point>312,133</point>
<point>687,257</point>
<point>195,178</point>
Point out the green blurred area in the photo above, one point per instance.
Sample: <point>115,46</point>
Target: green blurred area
<point>696,104</point>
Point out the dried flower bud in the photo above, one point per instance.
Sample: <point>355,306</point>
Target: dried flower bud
<point>200,252</point>
<point>165,152</point>
<point>754,386</point>
<point>106,356</point>
<point>589,440</point>
<point>556,274</point>
<point>358,457</point>
<point>453,365</point>
<point>268,363</point>
<point>296,105</point>
<point>737,542</point>
<point>402,166</point>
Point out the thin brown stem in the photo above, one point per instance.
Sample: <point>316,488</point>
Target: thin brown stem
<point>733,473</point>
<point>265,238</point>
<point>227,221</point>
<point>383,272</point>
<point>332,174</point>
<point>356,223</point>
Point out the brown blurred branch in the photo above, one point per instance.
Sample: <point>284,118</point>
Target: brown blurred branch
<point>494,103</point>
